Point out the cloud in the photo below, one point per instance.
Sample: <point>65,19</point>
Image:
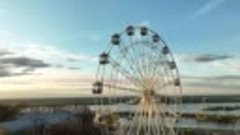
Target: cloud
<point>208,64</point>
<point>75,58</point>
<point>203,58</point>
<point>210,58</point>
<point>74,68</point>
<point>30,57</point>
<point>20,58</point>
<point>4,73</point>
<point>4,52</point>
<point>227,77</point>
<point>52,81</point>
<point>209,7</point>
<point>32,69</point>
<point>16,66</point>
<point>224,84</point>
<point>230,78</point>
<point>24,62</point>
<point>9,73</point>
<point>47,53</point>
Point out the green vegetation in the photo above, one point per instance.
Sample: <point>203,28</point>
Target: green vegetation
<point>225,119</point>
<point>222,108</point>
<point>218,119</point>
<point>18,133</point>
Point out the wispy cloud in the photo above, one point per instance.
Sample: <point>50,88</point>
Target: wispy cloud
<point>208,64</point>
<point>226,84</point>
<point>208,7</point>
<point>15,66</point>
<point>203,58</point>
<point>47,53</point>
<point>24,58</point>
<point>5,52</point>
<point>32,69</point>
<point>23,62</point>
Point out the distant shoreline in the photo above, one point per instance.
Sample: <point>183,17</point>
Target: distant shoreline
<point>91,100</point>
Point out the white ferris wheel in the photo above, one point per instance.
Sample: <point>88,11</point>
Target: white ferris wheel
<point>137,88</point>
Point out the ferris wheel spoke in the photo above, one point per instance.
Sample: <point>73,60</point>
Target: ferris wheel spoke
<point>152,56</point>
<point>152,66</point>
<point>162,73</point>
<point>123,88</point>
<point>158,77</point>
<point>160,87</point>
<point>143,60</point>
<point>129,54</point>
<point>155,63</point>
<point>161,59</point>
<point>158,64</point>
<point>130,62</point>
<point>170,80</point>
<point>136,60</point>
<point>124,72</point>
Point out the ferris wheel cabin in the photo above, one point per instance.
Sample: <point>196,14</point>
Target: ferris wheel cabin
<point>103,59</point>
<point>144,31</point>
<point>115,39</point>
<point>130,30</point>
<point>97,87</point>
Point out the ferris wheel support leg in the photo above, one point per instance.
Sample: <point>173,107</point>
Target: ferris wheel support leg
<point>139,121</point>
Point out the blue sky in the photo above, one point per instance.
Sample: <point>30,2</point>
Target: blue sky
<point>81,29</point>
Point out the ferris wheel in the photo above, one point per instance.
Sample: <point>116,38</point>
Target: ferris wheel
<point>137,76</point>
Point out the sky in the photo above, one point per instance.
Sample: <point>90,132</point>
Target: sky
<point>51,47</point>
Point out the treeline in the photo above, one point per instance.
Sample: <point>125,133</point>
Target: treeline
<point>9,112</point>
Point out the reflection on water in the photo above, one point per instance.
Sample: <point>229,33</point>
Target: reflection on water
<point>194,109</point>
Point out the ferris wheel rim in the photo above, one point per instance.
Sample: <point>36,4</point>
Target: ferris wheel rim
<point>177,75</point>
